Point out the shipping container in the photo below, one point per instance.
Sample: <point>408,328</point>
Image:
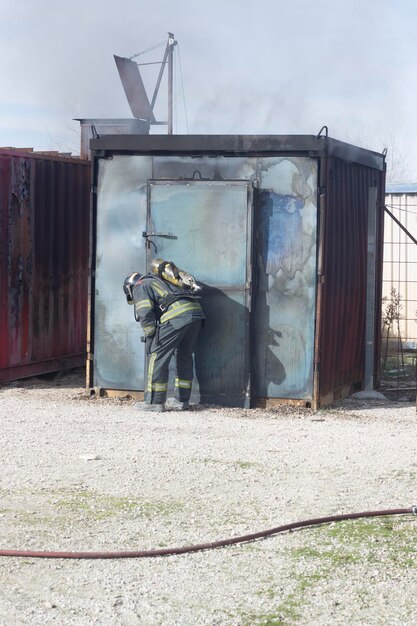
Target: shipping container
<point>44,256</point>
<point>285,234</point>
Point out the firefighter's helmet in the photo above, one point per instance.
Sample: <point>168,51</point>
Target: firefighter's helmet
<point>129,284</point>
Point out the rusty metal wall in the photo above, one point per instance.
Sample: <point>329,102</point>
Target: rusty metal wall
<point>44,226</point>
<point>343,283</point>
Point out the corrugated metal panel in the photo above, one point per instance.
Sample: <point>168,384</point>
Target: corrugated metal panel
<point>44,212</point>
<point>343,311</point>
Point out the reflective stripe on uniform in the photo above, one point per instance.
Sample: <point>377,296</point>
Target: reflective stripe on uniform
<point>176,304</point>
<point>150,371</point>
<point>159,290</point>
<point>149,329</point>
<point>159,386</point>
<point>144,304</point>
<point>178,310</point>
<point>184,384</point>
<point>151,385</point>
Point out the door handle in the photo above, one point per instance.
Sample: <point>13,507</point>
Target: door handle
<point>164,235</point>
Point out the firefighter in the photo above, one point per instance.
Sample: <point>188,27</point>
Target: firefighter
<point>171,318</point>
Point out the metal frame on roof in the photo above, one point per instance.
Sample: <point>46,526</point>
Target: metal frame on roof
<point>312,145</point>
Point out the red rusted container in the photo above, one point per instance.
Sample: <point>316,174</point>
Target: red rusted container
<point>44,239</point>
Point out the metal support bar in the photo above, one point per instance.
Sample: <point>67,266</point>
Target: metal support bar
<point>403,228</point>
<point>370,291</point>
<point>161,71</point>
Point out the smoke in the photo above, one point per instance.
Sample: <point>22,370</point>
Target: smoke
<point>271,67</point>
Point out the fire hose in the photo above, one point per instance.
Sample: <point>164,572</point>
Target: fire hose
<point>199,547</point>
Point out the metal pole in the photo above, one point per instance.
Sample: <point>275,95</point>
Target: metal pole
<point>171,44</point>
<point>158,82</point>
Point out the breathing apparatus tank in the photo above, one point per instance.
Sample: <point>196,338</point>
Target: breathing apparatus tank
<point>170,272</point>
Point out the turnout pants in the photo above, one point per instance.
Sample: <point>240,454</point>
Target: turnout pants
<point>167,341</point>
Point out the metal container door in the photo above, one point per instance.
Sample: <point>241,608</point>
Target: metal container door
<point>206,229</point>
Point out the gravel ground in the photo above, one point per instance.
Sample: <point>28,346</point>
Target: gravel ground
<point>81,474</point>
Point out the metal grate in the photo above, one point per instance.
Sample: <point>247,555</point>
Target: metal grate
<point>399,305</point>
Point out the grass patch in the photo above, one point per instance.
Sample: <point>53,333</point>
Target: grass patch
<point>396,539</point>
<point>60,505</point>
<point>96,506</point>
<point>99,506</point>
<point>235,464</point>
<point>334,558</point>
<point>332,552</point>
<point>244,464</point>
<point>289,610</point>
<point>407,477</point>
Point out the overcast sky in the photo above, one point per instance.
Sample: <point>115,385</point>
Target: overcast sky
<point>264,66</point>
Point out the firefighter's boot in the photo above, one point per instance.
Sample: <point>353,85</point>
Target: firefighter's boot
<point>177,405</point>
<point>149,408</point>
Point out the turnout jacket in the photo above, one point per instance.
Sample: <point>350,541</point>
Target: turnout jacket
<point>157,301</point>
